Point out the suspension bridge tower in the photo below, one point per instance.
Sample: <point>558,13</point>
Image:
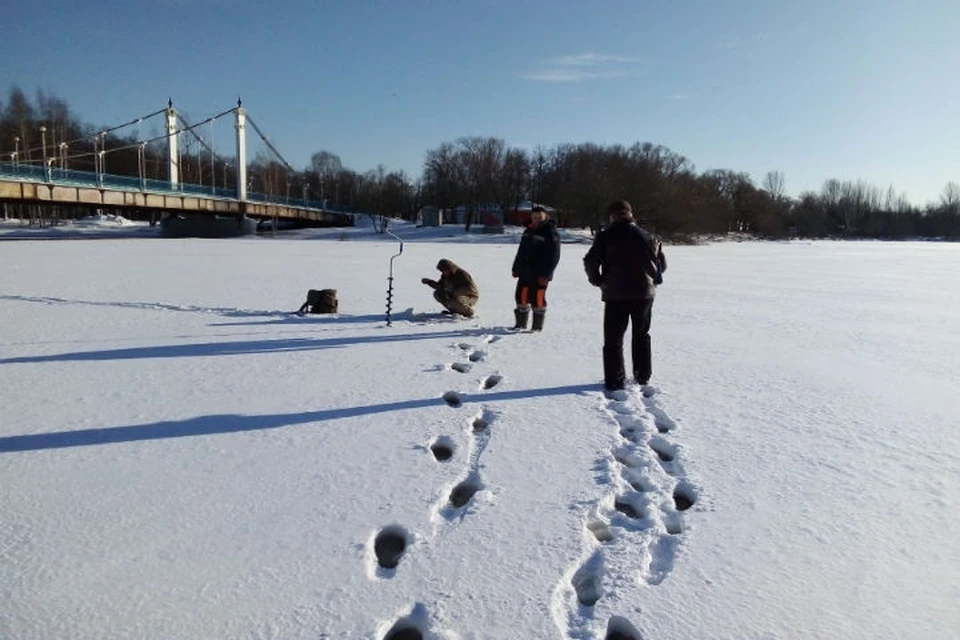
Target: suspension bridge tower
<point>241,126</point>
<point>173,154</point>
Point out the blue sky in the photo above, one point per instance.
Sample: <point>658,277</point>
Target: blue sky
<point>849,89</point>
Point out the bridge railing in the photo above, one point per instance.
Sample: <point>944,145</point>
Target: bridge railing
<point>22,172</point>
<point>73,177</point>
<point>299,202</point>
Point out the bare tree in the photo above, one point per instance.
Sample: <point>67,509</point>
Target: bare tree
<point>514,180</point>
<point>20,118</point>
<point>773,183</point>
<point>327,166</point>
<point>439,176</point>
<point>478,164</point>
<point>895,202</point>
<point>950,198</point>
<point>538,167</point>
<point>729,188</point>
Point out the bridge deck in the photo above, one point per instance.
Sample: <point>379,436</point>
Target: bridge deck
<point>29,185</point>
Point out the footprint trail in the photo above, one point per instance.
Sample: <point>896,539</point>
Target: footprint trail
<point>644,495</point>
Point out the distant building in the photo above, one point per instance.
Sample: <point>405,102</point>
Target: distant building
<point>520,216</point>
<point>489,217</point>
<point>429,216</point>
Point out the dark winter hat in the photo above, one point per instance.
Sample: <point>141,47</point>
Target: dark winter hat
<point>446,265</point>
<point>537,209</point>
<point>620,209</point>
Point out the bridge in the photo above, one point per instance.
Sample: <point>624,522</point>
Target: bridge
<point>43,178</point>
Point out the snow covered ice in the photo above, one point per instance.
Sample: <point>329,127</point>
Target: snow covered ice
<point>182,457</point>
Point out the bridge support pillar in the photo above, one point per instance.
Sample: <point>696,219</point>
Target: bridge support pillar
<point>173,155</point>
<point>241,154</point>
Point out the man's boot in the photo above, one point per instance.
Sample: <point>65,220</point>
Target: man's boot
<point>538,315</point>
<point>521,314</point>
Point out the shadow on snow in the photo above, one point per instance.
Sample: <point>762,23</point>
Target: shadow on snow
<point>152,306</point>
<point>275,317</point>
<point>227,423</point>
<point>228,348</point>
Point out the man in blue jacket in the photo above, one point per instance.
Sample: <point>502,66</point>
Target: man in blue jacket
<point>537,257</point>
<point>626,262</point>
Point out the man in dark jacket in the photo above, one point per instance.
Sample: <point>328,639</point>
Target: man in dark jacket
<point>626,262</point>
<point>537,257</point>
<point>456,290</point>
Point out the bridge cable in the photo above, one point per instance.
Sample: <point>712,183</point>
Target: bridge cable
<point>163,136</point>
<point>269,144</point>
<point>203,143</point>
<point>87,138</point>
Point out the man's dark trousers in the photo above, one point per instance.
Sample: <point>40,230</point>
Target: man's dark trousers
<point>616,315</point>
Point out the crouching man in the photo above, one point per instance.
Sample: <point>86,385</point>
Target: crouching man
<point>455,290</point>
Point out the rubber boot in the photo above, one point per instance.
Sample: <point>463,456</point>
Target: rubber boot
<point>521,315</point>
<point>538,316</point>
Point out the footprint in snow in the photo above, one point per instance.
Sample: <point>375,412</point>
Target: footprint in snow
<point>453,505</point>
<point>628,507</point>
<point>653,511</point>
<point>628,458</point>
<point>461,367</point>
<point>492,381</point>
<point>638,481</point>
<point>672,523</point>
<point>464,491</point>
<point>665,425</point>
<point>666,453</point>
<point>620,395</point>
<point>453,399</point>
<point>600,530</point>
<point>684,496</point>
<point>662,552</point>
<point>389,546</point>
<point>477,356</point>
<point>411,627</point>
<point>619,628</point>
<point>662,420</point>
<point>621,407</point>
<point>403,631</point>
<point>480,424</point>
<point>586,580</point>
<point>443,448</point>
<point>631,427</point>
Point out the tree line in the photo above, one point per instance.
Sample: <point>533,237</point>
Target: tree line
<point>476,173</point>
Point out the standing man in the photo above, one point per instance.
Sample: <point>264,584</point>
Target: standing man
<point>456,289</point>
<point>626,262</point>
<point>537,257</point>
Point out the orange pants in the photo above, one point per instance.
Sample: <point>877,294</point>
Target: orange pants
<point>531,295</point>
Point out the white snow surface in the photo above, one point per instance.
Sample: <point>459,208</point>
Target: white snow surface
<point>182,457</point>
